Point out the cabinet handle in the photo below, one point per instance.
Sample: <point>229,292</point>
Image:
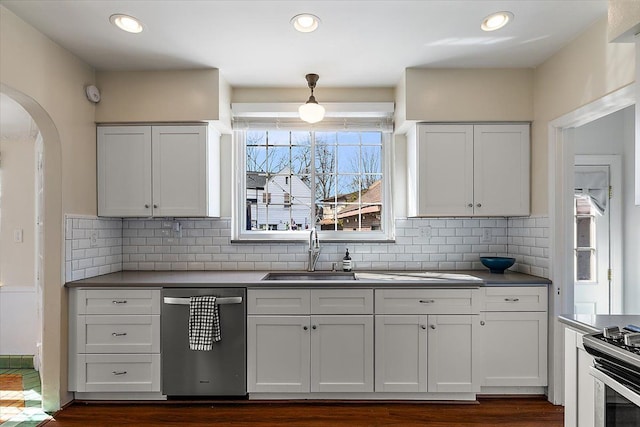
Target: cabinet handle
<point>146,205</point>
<point>427,301</point>
<point>512,299</point>
<point>423,326</point>
<point>433,326</point>
<point>479,205</point>
<point>124,301</point>
<point>155,206</point>
<point>482,323</point>
<point>119,372</point>
<point>305,328</point>
<point>314,327</point>
<point>118,334</point>
<point>470,205</point>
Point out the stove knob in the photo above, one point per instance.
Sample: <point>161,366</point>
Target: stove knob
<point>632,340</point>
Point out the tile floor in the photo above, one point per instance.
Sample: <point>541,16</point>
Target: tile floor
<point>14,414</point>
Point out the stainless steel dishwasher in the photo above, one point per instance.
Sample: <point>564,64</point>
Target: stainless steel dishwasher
<point>219,372</point>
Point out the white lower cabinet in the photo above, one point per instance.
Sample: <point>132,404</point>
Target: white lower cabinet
<point>118,372</point>
<point>426,353</point>
<point>342,353</point>
<point>579,385</point>
<point>293,353</point>
<point>513,338</point>
<point>114,342</point>
<point>279,354</point>
<point>401,353</point>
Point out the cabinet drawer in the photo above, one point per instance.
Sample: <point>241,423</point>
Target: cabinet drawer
<point>118,372</point>
<point>427,301</point>
<point>278,301</point>
<point>514,298</point>
<point>118,301</point>
<point>118,334</point>
<point>342,301</point>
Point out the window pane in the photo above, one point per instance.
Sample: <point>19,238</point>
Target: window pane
<point>371,159</point>
<point>372,138</point>
<point>256,158</point>
<point>352,138</point>
<point>584,265</point>
<point>583,232</point>
<point>348,159</point>
<point>325,158</point>
<point>325,188</point>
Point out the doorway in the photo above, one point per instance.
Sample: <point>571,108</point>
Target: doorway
<point>21,174</point>
<point>597,234</point>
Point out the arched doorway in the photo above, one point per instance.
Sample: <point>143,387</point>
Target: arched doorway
<point>52,365</point>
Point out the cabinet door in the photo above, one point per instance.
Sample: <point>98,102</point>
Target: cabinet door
<point>445,170</point>
<point>501,169</point>
<point>278,357</point>
<point>124,171</point>
<point>514,348</point>
<point>451,366</point>
<point>401,353</point>
<point>179,171</point>
<point>341,353</point>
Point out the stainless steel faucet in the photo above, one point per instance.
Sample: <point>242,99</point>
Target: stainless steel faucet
<point>314,250</point>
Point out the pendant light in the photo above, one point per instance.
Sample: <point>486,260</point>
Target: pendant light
<point>311,112</point>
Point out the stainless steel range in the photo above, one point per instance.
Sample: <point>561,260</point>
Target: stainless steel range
<point>617,372</point>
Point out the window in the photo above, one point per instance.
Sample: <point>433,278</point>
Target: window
<point>334,181</point>
<point>266,198</point>
<point>585,251</point>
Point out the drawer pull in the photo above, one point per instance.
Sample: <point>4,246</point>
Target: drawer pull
<point>119,334</point>
<point>423,326</point>
<point>512,299</point>
<point>119,372</point>
<point>123,301</point>
<point>427,301</point>
<point>433,326</point>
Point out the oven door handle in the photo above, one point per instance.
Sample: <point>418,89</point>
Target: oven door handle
<point>615,385</point>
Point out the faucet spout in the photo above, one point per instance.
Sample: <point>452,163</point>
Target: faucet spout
<point>314,250</point>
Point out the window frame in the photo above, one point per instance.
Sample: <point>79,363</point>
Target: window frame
<point>592,249</point>
<point>387,234</point>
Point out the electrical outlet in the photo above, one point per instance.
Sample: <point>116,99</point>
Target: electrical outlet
<point>486,236</point>
<point>425,232</point>
<point>167,224</point>
<point>93,238</point>
<point>17,235</point>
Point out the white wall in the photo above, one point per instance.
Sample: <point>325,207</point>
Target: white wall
<point>18,309</point>
<point>48,81</point>
<point>614,134</point>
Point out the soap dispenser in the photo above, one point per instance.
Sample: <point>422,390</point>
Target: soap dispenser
<point>346,262</point>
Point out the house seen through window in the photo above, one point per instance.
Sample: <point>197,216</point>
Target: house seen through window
<point>296,180</point>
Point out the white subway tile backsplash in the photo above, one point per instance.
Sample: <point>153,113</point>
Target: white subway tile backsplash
<point>150,244</point>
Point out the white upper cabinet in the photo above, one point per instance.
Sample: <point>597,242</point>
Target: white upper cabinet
<point>158,171</point>
<point>468,170</point>
<point>124,171</point>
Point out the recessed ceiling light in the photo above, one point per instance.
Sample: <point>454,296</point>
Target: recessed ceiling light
<point>305,22</point>
<point>497,20</point>
<point>126,23</point>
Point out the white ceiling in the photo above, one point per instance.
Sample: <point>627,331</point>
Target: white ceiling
<point>359,43</point>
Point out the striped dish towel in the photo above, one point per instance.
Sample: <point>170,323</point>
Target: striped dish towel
<point>204,323</point>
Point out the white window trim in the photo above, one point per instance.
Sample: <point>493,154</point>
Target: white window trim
<point>387,234</point>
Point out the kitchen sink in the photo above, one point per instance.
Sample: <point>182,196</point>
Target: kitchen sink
<point>311,276</point>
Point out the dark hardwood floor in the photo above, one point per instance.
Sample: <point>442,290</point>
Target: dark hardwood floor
<point>506,412</point>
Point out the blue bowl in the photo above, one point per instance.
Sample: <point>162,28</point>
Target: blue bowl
<point>497,264</point>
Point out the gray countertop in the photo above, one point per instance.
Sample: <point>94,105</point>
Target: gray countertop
<point>592,323</point>
<point>253,279</point>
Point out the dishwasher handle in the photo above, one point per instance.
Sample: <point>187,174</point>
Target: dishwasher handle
<point>219,300</point>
